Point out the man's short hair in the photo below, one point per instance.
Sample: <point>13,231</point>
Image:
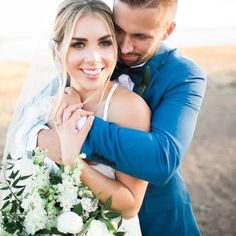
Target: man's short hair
<point>149,3</point>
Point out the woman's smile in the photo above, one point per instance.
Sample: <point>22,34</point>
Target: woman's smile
<point>92,73</point>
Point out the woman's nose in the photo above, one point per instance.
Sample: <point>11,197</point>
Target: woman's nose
<point>92,55</point>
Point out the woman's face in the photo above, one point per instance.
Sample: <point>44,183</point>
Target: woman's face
<point>91,54</point>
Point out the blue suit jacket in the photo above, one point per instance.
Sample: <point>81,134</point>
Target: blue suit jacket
<point>174,94</point>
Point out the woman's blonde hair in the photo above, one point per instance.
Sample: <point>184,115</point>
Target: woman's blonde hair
<point>68,13</point>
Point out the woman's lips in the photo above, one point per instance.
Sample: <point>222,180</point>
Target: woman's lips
<point>92,73</point>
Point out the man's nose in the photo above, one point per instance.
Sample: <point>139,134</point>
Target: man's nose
<point>126,45</point>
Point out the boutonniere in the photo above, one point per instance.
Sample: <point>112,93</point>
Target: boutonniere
<point>146,80</point>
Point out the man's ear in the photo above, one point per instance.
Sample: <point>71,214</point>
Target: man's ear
<point>169,30</point>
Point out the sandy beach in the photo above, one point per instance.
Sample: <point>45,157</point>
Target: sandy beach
<point>210,165</point>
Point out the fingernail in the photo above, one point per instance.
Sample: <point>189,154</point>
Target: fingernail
<point>91,117</point>
<point>68,90</point>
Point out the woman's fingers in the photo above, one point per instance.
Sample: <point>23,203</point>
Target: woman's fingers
<point>69,111</point>
<point>59,115</point>
<point>76,118</point>
<point>73,117</point>
<point>85,113</point>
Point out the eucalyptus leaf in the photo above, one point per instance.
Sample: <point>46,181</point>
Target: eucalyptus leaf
<point>14,207</point>
<point>112,214</point>
<point>15,182</point>
<point>55,179</point>
<point>10,166</point>
<point>14,174</point>
<point>20,192</point>
<point>119,233</point>
<point>9,196</point>
<point>109,225</point>
<point>4,188</point>
<point>43,231</point>
<point>19,186</point>
<point>107,204</point>
<point>54,230</point>
<point>9,157</point>
<point>5,205</point>
<point>119,223</point>
<point>78,209</point>
<point>24,177</point>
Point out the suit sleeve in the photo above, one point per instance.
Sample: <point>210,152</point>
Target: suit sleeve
<point>153,156</point>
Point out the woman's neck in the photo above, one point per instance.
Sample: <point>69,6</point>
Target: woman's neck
<point>92,99</point>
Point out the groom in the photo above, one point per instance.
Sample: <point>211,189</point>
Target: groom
<point>173,87</point>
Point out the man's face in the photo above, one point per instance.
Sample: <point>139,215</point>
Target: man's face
<point>139,31</point>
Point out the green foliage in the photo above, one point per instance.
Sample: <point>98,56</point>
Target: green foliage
<point>13,214</point>
<point>12,218</point>
<point>145,81</point>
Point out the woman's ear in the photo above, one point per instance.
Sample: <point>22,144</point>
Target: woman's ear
<point>169,30</point>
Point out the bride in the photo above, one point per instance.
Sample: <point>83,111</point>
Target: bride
<point>85,49</point>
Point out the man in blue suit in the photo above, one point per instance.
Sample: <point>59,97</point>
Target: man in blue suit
<point>173,87</point>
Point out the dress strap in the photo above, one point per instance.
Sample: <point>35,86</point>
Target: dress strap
<point>107,102</point>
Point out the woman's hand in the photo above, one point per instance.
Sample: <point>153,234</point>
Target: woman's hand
<point>72,139</point>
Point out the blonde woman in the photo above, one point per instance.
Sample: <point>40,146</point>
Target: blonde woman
<point>85,50</point>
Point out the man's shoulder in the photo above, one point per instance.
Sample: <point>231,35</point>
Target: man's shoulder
<point>171,60</point>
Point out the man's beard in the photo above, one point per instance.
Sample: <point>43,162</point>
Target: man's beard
<point>140,59</point>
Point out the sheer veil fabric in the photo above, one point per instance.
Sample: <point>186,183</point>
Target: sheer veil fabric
<point>41,73</point>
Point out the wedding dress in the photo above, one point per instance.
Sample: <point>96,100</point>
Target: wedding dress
<point>131,226</point>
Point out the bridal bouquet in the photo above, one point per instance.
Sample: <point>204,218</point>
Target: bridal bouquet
<point>53,202</point>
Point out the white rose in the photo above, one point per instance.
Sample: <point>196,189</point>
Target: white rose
<point>98,228</point>
<point>69,222</point>
<point>87,205</point>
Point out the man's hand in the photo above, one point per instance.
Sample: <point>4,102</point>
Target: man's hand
<point>49,140</point>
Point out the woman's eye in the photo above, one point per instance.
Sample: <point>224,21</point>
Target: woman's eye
<point>78,45</point>
<point>106,43</point>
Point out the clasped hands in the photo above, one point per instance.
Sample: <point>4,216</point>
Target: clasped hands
<point>66,121</point>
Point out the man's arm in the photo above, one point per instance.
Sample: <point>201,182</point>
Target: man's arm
<point>151,156</point>
<point>49,140</point>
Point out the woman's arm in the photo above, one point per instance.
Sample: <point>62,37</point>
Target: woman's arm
<point>127,192</point>
<point>127,110</point>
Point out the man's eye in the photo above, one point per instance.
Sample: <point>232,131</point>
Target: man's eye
<point>106,43</point>
<point>140,36</point>
<point>118,30</point>
<point>78,45</point>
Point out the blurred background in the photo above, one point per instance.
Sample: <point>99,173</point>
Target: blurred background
<point>206,33</point>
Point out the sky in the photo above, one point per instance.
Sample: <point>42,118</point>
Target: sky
<point>25,24</point>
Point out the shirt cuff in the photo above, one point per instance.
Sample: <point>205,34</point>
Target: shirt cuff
<point>33,137</point>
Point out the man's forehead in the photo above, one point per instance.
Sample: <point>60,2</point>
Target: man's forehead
<point>157,16</point>
<point>138,21</point>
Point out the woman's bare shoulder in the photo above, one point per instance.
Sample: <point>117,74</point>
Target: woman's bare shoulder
<point>128,109</point>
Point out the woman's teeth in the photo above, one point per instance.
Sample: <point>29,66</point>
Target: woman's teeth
<point>92,72</point>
